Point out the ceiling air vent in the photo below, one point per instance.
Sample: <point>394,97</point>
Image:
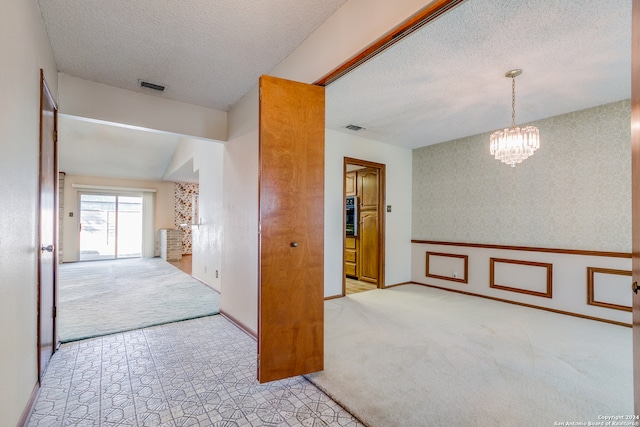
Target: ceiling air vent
<point>151,85</point>
<point>354,128</point>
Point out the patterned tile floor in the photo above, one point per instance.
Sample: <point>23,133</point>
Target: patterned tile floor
<point>194,373</point>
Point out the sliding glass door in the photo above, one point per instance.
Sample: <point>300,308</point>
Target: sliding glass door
<point>110,226</point>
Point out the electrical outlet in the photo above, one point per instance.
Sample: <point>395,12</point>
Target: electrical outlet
<point>216,274</point>
<point>455,274</point>
<point>388,208</point>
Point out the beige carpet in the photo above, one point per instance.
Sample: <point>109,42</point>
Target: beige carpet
<point>415,356</point>
<point>104,297</point>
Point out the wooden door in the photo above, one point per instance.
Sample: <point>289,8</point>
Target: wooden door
<point>47,260</point>
<point>635,180</point>
<point>368,259</point>
<point>291,259</point>
<point>368,252</point>
<point>368,189</point>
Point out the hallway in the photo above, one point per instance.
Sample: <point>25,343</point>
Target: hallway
<point>194,373</point>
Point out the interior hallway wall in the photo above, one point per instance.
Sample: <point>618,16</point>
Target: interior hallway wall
<point>207,237</point>
<point>24,49</point>
<point>239,298</point>
<point>573,193</point>
<point>163,216</point>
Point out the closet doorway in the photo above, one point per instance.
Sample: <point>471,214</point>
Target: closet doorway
<point>364,202</point>
<point>110,226</point>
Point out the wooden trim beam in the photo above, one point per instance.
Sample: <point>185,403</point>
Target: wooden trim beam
<point>407,27</point>
<point>527,248</point>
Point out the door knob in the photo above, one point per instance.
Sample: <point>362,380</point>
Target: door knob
<point>635,287</point>
<point>294,244</point>
<point>46,248</point>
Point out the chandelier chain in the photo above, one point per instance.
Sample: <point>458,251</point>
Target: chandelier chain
<point>513,102</point>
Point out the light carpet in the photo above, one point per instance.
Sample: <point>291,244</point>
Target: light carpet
<point>103,297</point>
<point>417,356</point>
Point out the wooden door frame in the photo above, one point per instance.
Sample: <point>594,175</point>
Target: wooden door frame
<point>380,211</point>
<point>46,92</point>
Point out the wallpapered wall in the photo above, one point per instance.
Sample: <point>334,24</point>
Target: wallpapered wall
<point>574,193</point>
<point>184,193</point>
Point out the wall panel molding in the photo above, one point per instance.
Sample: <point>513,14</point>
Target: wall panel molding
<point>527,248</point>
<point>546,279</point>
<point>464,267</point>
<point>591,287</point>
<point>548,293</point>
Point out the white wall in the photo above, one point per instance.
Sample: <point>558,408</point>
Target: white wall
<point>24,49</point>
<point>398,194</point>
<point>163,216</point>
<point>207,237</point>
<point>239,298</point>
<point>83,98</point>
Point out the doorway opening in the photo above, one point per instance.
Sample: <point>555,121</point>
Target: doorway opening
<point>363,205</point>
<point>110,226</point>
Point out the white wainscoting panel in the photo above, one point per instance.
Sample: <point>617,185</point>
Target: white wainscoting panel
<point>609,288</point>
<point>447,266</point>
<point>569,278</point>
<point>521,276</point>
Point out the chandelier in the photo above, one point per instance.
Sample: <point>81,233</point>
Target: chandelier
<point>513,145</point>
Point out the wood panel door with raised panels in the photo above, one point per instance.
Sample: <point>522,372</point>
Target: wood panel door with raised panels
<point>368,251</point>
<point>368,189</point>
<point>291,206</point>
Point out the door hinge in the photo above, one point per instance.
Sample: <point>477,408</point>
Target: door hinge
<point>54,312</point>
<point>55,135</point>
<point>260,94</point>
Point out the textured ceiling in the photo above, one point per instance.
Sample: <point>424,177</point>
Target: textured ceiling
<point>447,81</point>
<point>207,53</point>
